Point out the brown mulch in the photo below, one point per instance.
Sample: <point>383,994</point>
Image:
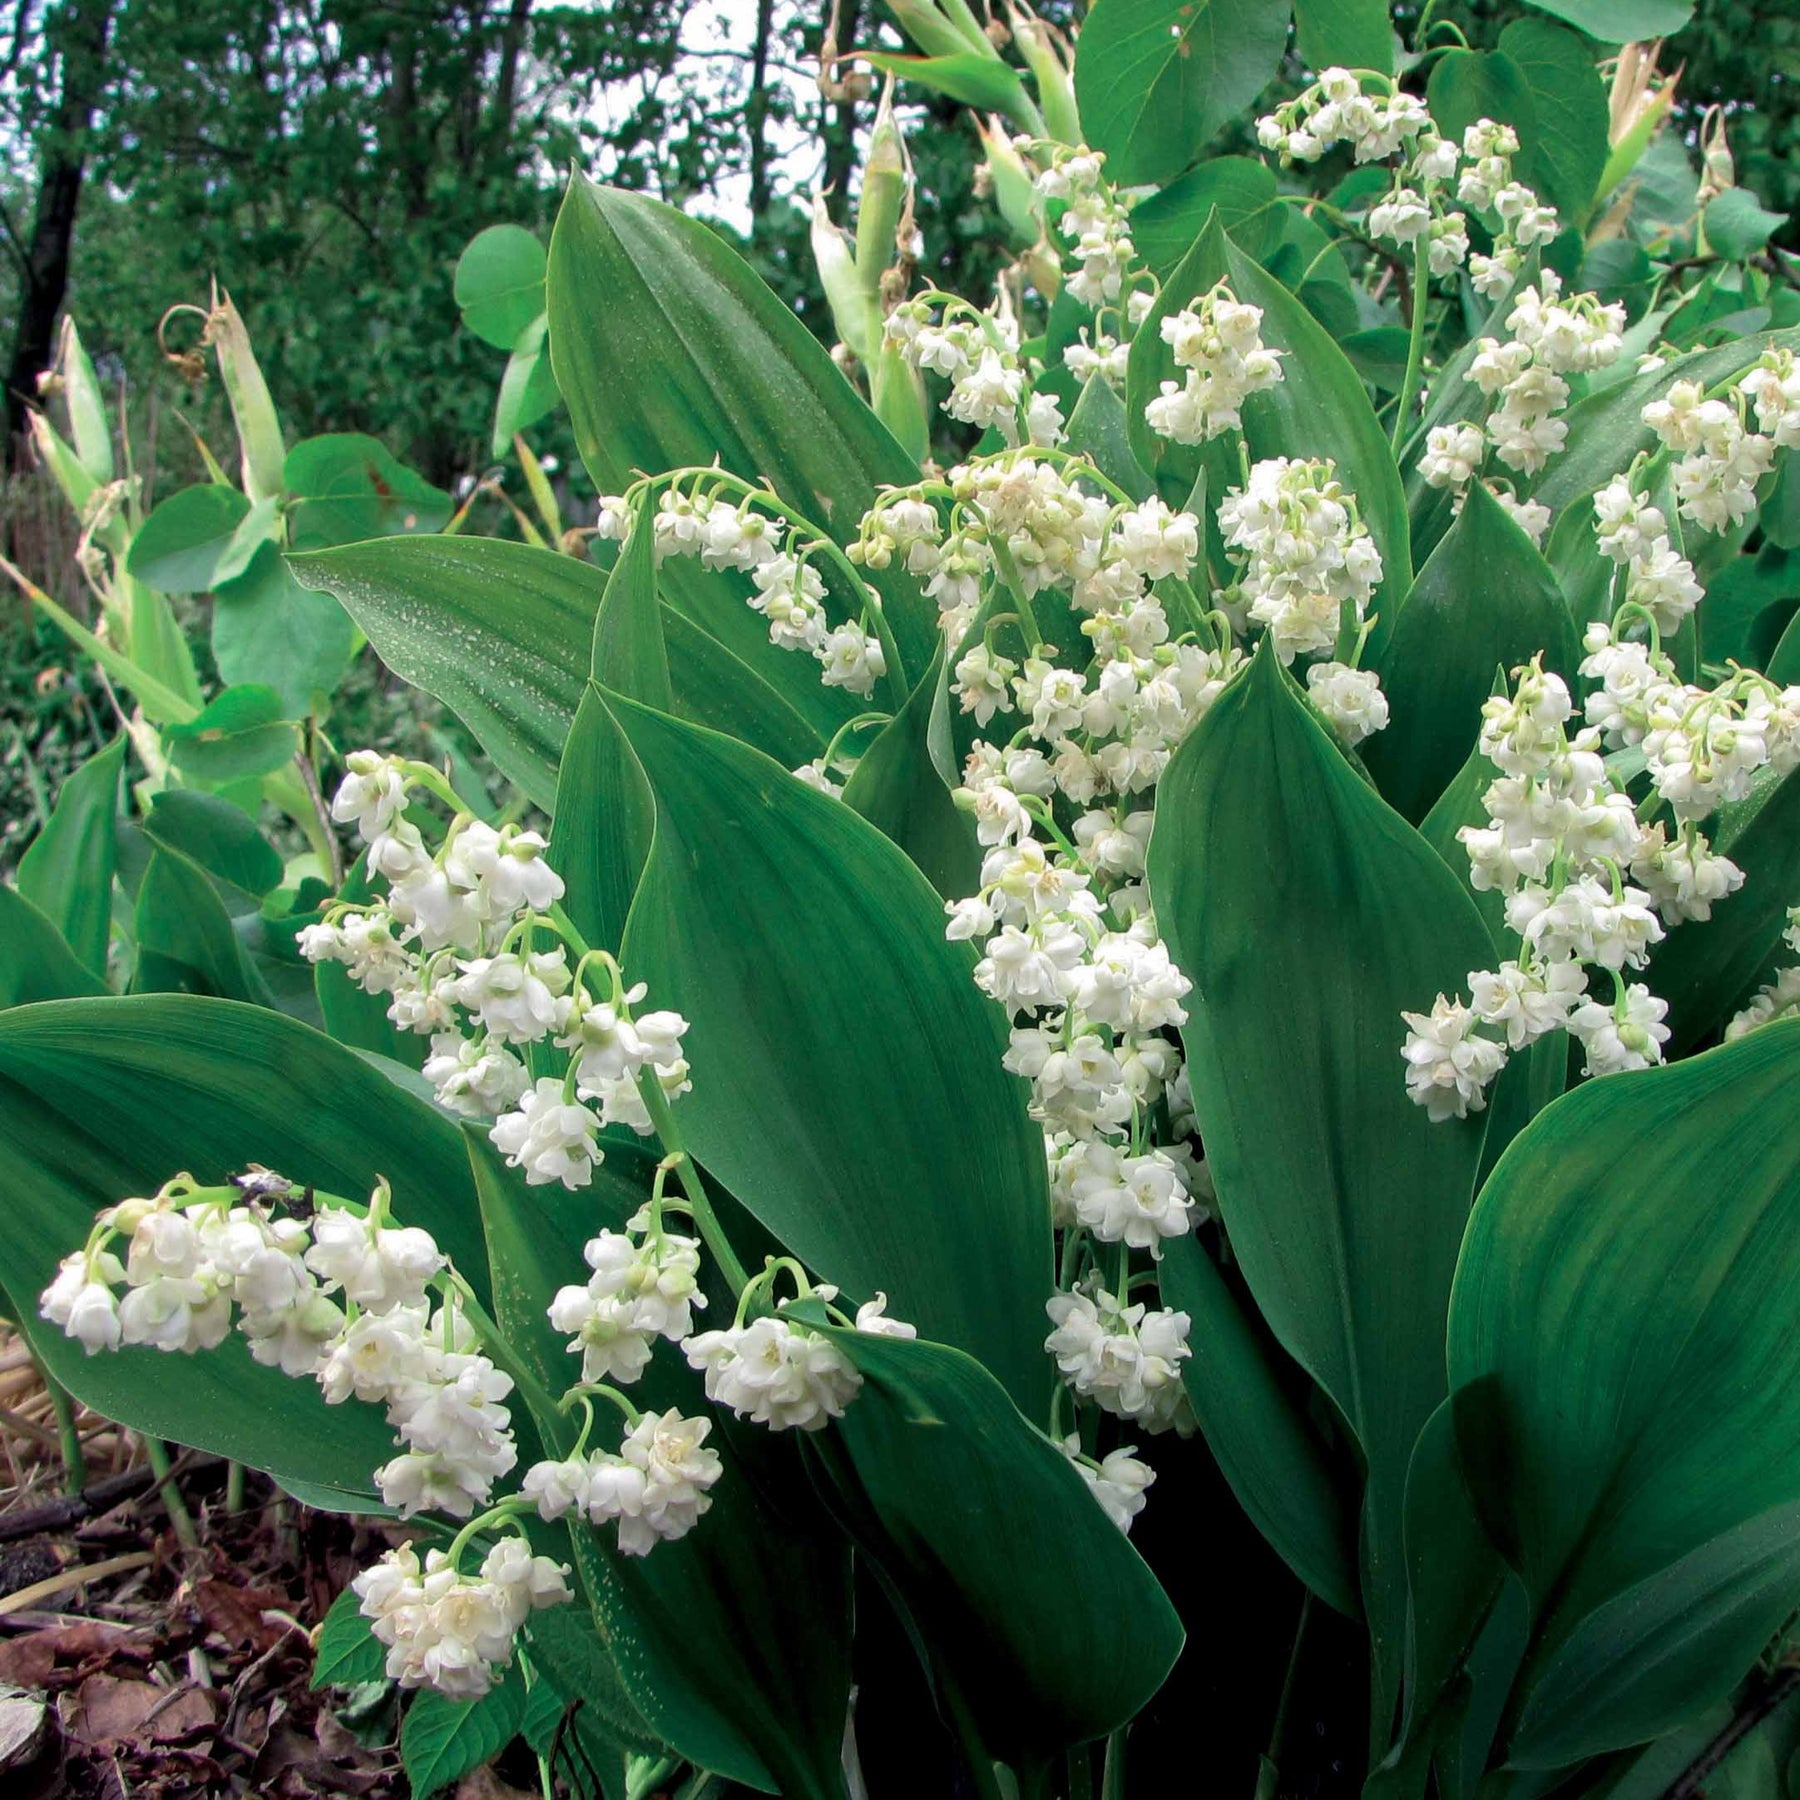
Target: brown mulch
<point>131,1666</point>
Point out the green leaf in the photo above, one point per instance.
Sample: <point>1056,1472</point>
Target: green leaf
<point>1627,1402</point>
<point>345,487</point>
<point>691,359</point>
<point>178,549</point>
<point>1570,114</point>
<point>442,1740</point>
<point>1157,79</point>
<point>1736,226</point>
<point>217,836</point>
<point>239,736</point>
<point>269,630</point>
<point>689,1627</point>
<point>67,870</point>
<point>1164,226</point>
<point>1344,1203</point>
<point>499,283</point>
<point>347,1653</point>
<point>1345,34</point>
<point>1380,355</point>
<point>712,687</point>
<point>104,1098</point>
<point>36,962</point>
<point>1320,404</point>
<point>1621,21</point>
<point>902,786</point>
<point>1258,1432</point>
<point>976,1518</point>
<point>184,936</point>
<point>1097,430</point>
<point>528,387</point>
<point>847,1078</point>
<point>983,82</point>
<point>1484,599</point>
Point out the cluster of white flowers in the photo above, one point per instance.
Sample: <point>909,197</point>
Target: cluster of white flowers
<point>462,969</point>
<point>445,1630</point>
<point>696,516</point>
<point>1125,1358</point>
<point>1094,224</point>
<point>644,1285</point>
<point>1218,344</point>
<point>1390,125</point>
<point>1719,459</point>
<point>1635,534</point>
<point>1777,999</point>
<point>978,353</point>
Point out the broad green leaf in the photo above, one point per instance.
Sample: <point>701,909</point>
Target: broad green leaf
<point>155,640</point>
<point>671,352</point>
<point>217,836</point>
<point>240,735</point>
<point>184,936</point>
<point>1736,226</point>
<point>178,549</point>
<point>528,387</point>
<point>1749,604</point>
<point>604,813</point>
<point>1569,145</point>
<point>345,487</point>
<point>499,283</point>
<point>1484,598</point>
<point>442,1740</point>
<point>902,786</point>
<point>1097,430</point>
<point>1156,79</point>
<point>1164,226</point>
<point>1379,355</point>
<point>1346,34</point>
<point>604,1728</point>
<point>691,1627</point>
<point>1706,967</point>
<point>1467,85</point>
<point>104,1098</point>
<point>847,1078</point>
<point>1344,1203</point>
<point>1275,1460</point>
<point>1625,1386</point>
<point>269,630</point>
<point>984,82</point>
<point>977,1519</point>
<point>1320,407</point>
<point>36,962</point>
<point>1621,21</point>
<point>347,1653</point>
<point>712,687</point>
<point>67,870</point>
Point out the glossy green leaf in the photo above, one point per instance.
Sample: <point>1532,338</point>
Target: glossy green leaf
<point>499,283</point>
<point>847,1078</point>
<point>178,549</point>
<point>1626,1397</point>
<point>976,1518</point>
<point>1344,1203</point>
<point>1156,79</point>
<point>238,736</point>
<point>184,936</point>
<point>345,487</point>
<point>1484,599</point>
<point>347,1653</point>
<point>1379,355</point>
<point>713,687</point>
<point>671,352</point>
<point>1164,226</point>
<point>104,1098</point>
<point>270,630</point>
<point>36,962</point>
<point>1705,968</point>
<point>1749,604</point>
<point>1275,1460</point>
<point>1344,34</point>
<point>690,1630</point>
<point>1097,430</point>
<point>1569,105</point>
<point>902,782</point>
<point>604,813</point>
<point>528,387</point>
<point>217,836</point>
<point>1621,21</point>
<point>1319,407</point>
<point>442,1740</point>
<point>67,870</point>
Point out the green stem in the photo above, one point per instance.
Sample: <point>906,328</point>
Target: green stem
<point>234,1487</point>
<point>73,1456</point>
<point>179,1517</point>
<point>1278,1732</point>
<point>656,1103</point>
<point>1415,344</point>
<point>1009,573</point>
<point>1112,1771</point>
<point>541,1401</point>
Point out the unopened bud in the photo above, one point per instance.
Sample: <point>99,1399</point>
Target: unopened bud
<point>883,196</point>
<point>253,411</point>
<point>898,395</point>
<point>852,309</point>
<point>88,423</point>
<point>1052,68</point>
<point>1014,194</point>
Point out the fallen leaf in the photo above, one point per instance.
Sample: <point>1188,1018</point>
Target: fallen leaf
<point>236,1613</point>
<point>108,1708</point>
<point>27,1661</point>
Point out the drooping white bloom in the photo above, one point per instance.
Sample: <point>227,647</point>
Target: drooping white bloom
<point>776,1373</point>
<point>1119,1481</point>
<point>550,1137</point>
<point>1625,1036</point>
<point>1126,1359</point>
<point>1351,699</point>
<point>371,794</point>
<point>1448,1063</point>
<point>378,1266</point>
<point>476,1077</point>
<point>82,1302</point>
<point>1778,999</point>
<point>1218,344</point>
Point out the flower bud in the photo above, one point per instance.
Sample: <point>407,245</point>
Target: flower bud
<point>258,428</point>
<point>852,309</point>
<point>883,197</point>
<point>1053,72</point>
<point>1014,193</point>
<point>88,422</point>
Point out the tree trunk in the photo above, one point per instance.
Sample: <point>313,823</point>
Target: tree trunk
<point>756,112</point>
<point>838,124</point>
<point>79,32</point>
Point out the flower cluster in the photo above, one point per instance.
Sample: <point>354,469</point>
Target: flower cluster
<point>1093,224</point>
<point>1719,459</point>
<point>978,353</point>
<point>464,970</point>
<point>1389,125</point>
<point>1124,1358</point>
<point>731,524</point>
<point>1777,999</point>
<point>644,1286</point>
<point>1218,344</point>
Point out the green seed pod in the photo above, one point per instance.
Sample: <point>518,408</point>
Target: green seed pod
<point>1054,77</point>
<point>852,309</point>
<point>883,197</point>
<point>898,396</point>
<point>258,428</point>
<point>1016,198</point>
<point>88,423</point>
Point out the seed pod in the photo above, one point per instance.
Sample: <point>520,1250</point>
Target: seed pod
<point>258,428</point>
<point>885,182</point>
<point>852,310</point>
<point>1045,55</point>
<point>88,423</point>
